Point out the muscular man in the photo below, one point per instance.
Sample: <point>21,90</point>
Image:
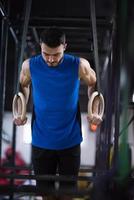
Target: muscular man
<point>55,79</point>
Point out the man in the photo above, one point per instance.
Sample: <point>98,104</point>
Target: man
<point>55,79</point>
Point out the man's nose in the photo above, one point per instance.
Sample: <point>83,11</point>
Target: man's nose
<point>50,58</point>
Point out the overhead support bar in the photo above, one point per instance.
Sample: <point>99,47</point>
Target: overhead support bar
<point>5,17</point>
<point>66,22</point>
<point>24,34</point>
<point>3,68</point>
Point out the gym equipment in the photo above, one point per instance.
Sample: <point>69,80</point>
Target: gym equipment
<point>19,106</point>
<point>99,110</point>
<point>100,105</point>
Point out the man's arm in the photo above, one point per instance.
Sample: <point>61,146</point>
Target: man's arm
<point>24,80</point>
<point>87,74</point>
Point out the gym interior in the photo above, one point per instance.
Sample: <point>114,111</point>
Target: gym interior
<point>101,31</point>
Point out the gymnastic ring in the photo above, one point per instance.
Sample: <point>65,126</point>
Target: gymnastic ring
<point>101,104</point>
<point>23,105</point>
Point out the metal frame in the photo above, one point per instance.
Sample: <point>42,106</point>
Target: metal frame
<point>3,67</point>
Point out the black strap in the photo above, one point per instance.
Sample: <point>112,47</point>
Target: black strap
<point>23,39</point>
<point>95,42</point>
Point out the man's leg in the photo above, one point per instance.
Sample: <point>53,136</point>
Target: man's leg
<point>44,163</point>
<point>69,164</point>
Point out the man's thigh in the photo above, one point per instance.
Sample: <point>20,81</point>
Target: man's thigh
<point>69,164</point>
<point>44,162</point>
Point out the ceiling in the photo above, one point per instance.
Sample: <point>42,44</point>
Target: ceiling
<point>72,16</point>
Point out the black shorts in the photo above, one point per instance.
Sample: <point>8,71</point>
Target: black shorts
<point>51,162</point>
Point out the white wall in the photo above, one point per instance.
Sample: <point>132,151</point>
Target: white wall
<point>23,140</point>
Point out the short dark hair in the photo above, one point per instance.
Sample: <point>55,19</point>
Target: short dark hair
<point>53,37</point>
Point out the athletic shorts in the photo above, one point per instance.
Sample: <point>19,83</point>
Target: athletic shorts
<point>52,162</point>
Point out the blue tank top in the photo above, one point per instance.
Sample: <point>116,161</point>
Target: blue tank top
<point>55,93</point>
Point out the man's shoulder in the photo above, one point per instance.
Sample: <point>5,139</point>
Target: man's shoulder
<point>35,57</point>
<point>72,58</point>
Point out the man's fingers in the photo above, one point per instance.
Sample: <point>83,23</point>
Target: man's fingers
<point>19,122</point>
<point>95,119</point>
<point>24,122</point>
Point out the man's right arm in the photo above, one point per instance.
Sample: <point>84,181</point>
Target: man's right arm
<point>25,80</point>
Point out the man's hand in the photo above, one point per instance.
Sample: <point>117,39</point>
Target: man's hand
<point>19,122</point>
<point>94,119</point>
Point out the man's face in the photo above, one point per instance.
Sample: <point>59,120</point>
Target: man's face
<point>52,56</point>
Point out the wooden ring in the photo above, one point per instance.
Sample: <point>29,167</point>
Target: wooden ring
<point>100,106</point>
<point>20,96</point>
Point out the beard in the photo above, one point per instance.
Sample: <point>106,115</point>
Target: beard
<point>54,64</point>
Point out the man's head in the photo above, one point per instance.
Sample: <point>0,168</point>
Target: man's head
<point>53,45</point>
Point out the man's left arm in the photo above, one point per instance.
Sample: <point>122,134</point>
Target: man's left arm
<point>88,75</point>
